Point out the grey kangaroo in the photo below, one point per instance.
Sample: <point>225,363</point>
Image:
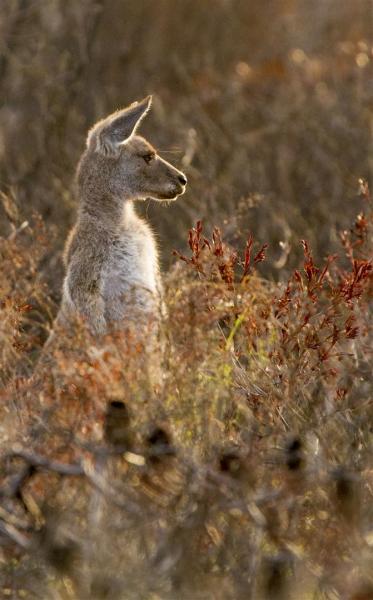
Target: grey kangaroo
<point>111,259</point>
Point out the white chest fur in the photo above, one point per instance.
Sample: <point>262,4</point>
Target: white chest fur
<point>131,275</point>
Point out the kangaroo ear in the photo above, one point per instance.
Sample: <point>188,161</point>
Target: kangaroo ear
<point>107,135</point>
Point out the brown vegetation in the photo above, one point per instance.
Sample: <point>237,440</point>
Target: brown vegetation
<point>248,472</point>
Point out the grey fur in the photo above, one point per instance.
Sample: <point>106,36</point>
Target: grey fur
<point>111,258</point>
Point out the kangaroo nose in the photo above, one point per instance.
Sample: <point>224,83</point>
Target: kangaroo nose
<point>183,180</point>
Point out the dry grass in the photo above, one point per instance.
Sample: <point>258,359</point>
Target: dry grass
<point>247,471</point>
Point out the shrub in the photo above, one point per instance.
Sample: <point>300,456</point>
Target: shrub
<point>245,473</point>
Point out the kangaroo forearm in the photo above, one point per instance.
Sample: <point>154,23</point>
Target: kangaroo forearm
<point>92,309</point>
<point>85,300</point>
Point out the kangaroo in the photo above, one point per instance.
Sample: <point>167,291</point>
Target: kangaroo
<point>111,258</point>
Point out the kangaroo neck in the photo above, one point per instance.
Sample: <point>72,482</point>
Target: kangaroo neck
<point>108,211</point>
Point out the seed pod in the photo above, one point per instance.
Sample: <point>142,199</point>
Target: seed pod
<point>294,458</point>
<point>159,445</point>
<point>116,425</point>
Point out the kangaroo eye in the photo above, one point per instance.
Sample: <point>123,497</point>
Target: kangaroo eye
<point>148,157</point>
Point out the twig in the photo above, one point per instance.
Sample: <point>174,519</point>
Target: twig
<point>10,531</point>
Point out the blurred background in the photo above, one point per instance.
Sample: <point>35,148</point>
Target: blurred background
<point>265,105</point>
<point>251,466</point>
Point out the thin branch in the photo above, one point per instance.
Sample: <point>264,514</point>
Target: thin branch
<point>16,536</point>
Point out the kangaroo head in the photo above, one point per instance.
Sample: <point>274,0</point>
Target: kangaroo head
<point>125,164</point>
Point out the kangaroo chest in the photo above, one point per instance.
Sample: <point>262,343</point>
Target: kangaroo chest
<point>131,277</point>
